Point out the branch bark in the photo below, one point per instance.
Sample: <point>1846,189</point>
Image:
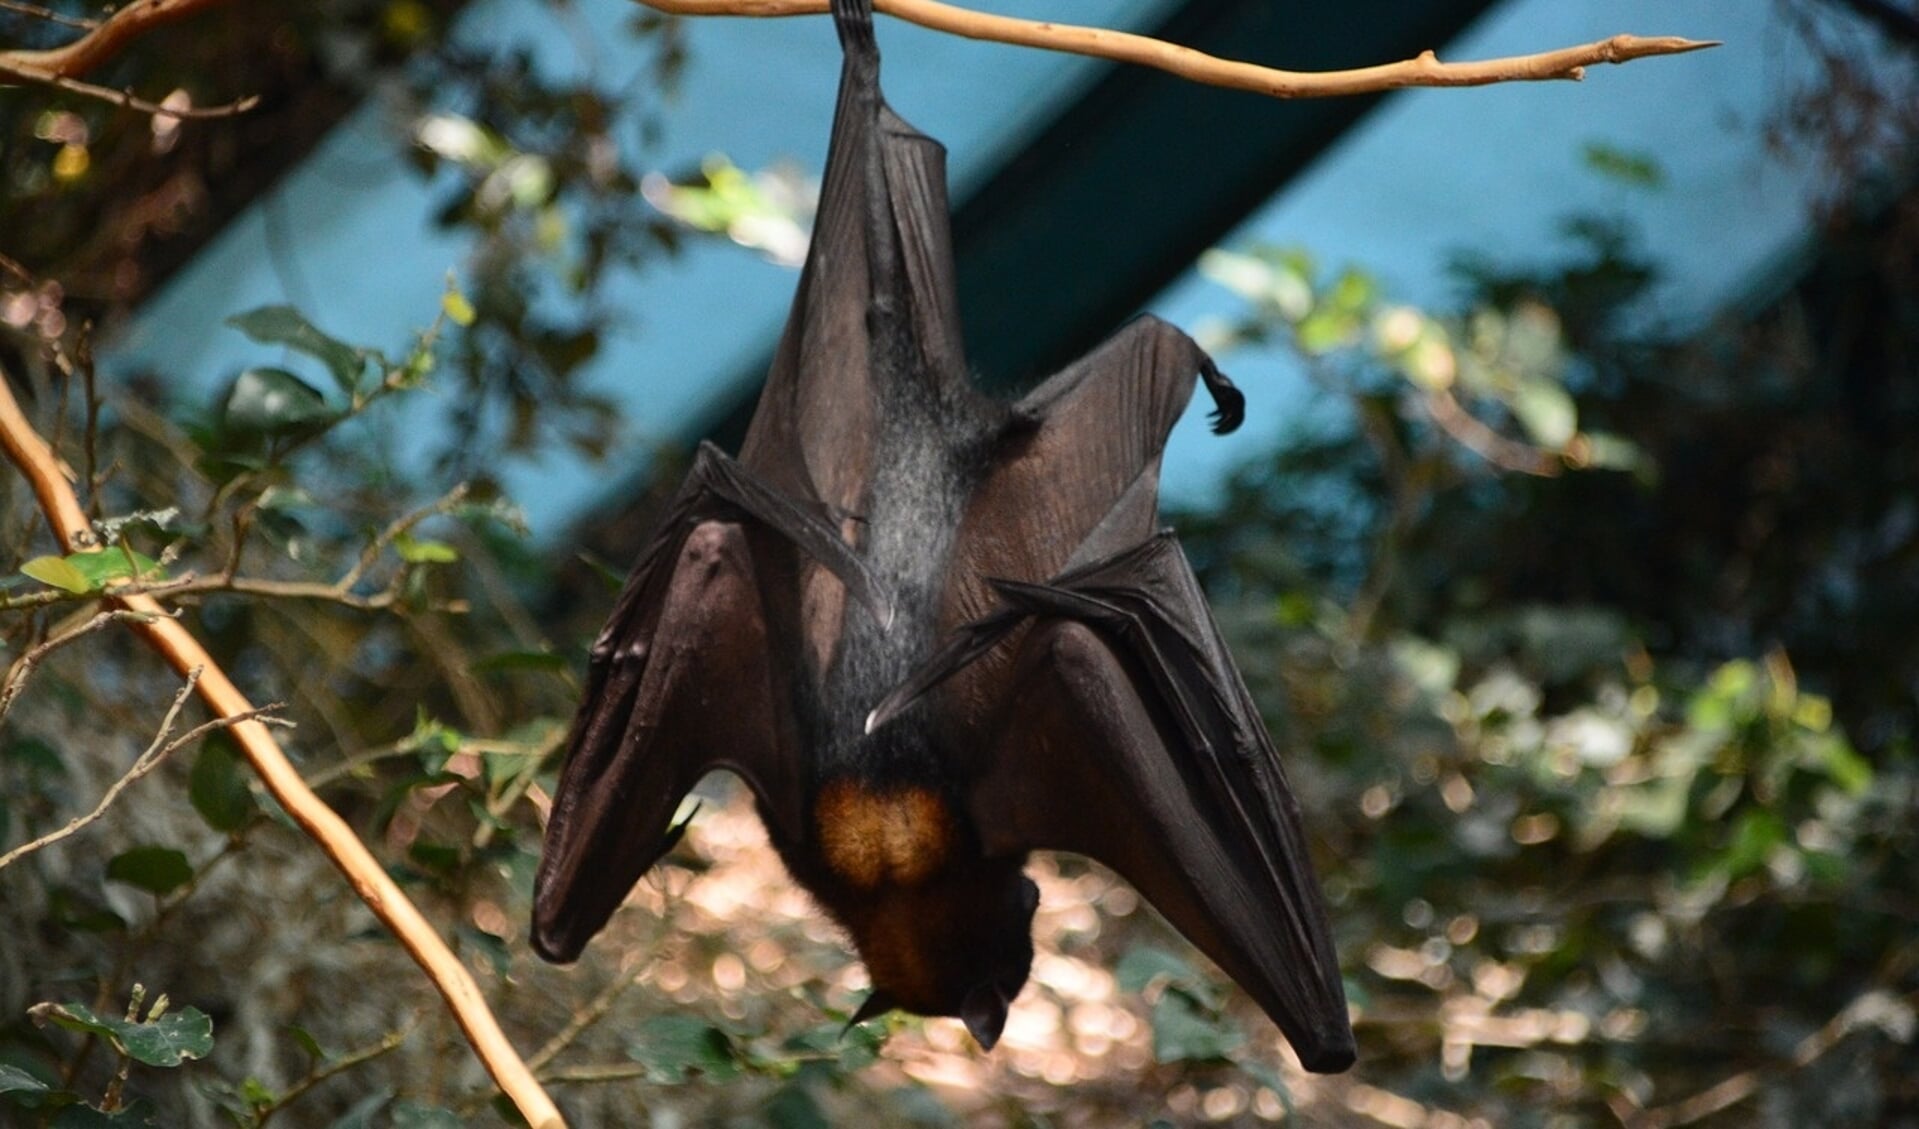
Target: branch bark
<point>105,41</point>
<point>1426,70</point>
<point>368,878</point>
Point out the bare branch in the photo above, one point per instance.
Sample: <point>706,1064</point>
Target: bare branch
<point>369,879</point>
<point>23,666</point>
<point>400,525</point>
<point>387,1044</point>
<point>47,14</point>
<point>28,72</point>
<point>584,1018</point>
<point>106,40</point>
<point>1731,1091</point>
<point>1425,70</point>
<point>1490,445</point>
<point>146,762</point>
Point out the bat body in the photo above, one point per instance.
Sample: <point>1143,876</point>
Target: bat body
<point>934,632</point>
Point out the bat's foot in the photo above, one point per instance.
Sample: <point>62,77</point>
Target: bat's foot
<point>1229,403</point>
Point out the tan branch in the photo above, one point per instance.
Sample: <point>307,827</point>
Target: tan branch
<point>39,12</point>
<point>106,40</point>
<point>1197,66</point>
<point>369,879</point>
<point>1483,441</point>
<point>33,73</point>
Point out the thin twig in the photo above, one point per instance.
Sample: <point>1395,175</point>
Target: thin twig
<point>23,666</point>
<point>584,1018</point>
<point>27,72</point>
<point>1485,442</point>
<point>371,553</point>
<point>387,1045</point>
<point>48,14</point>
<point>1731,1091</point>
<point>369,879</point>
<point>13,267</point>
<point>146,762</point>
<point>608,1072</point>
<point>1425,70</point>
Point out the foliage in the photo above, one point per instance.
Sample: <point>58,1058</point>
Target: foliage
<point>1584,860</point>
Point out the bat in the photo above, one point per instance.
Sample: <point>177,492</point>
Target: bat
<point>935,631</point>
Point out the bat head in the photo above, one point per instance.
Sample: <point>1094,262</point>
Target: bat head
<point>959,947</point>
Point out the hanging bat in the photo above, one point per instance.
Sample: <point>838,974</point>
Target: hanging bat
<point>934,632</point>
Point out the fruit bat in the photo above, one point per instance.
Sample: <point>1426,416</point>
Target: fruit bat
<point>935,631</point>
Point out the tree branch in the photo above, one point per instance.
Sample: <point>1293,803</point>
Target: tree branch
<point>106,40</point>
<point>369,879</point>
<point>32,73</point>
<point>47,14</point>
<point>23,666</point>
<point>1125,47</point>
<point>146,762</point>
<point>1731,1091</point>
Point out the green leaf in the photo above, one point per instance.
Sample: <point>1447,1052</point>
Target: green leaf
<point>115,564</point>
<point>1754,835</point>
<point>73,910</point>
<point>284,325</point>
<point>1141,966</point>
<point>15,1080</point>
<point>1641,170</point>
<point>271,401</point>
<point>1850,771</point>
<point>458,309</point>
<point>793,1106</point>
<point>58,572</point>
<point>675,1048</point>
<point>415,551</point>
<point>157,870</point>
<point>1546,410</point>
<point>34,757</point>
<point>1184,1033</point>
<point>860,1046</point>
<point>216,788</point>
<point>167,1041</point>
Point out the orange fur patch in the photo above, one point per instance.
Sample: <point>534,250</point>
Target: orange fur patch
<point>872,838</point>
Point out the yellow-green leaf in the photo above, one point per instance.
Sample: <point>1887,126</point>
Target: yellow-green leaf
<point>58,572</point>
<point>458,309</point>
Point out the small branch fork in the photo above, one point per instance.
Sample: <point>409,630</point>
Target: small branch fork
<point>60,67</point>
<point>369,879</point>
<point>1426,70</point>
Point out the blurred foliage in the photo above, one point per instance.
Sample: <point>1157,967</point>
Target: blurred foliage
<point>1593,654</point>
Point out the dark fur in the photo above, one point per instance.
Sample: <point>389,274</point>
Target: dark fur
<point>935,633</point>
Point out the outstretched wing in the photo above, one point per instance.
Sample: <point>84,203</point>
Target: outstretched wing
<point>1134,741</point>
<point>683,680</point>
<point>876,310</point>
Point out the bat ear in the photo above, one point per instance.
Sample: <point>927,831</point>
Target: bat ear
<point>984,1014</point>
<point>876,1004</point>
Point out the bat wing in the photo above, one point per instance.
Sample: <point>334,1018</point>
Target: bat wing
<point>876,300</point>
<point>1075,476</point>
<point>682,681</point>
<point>1132,740</point>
